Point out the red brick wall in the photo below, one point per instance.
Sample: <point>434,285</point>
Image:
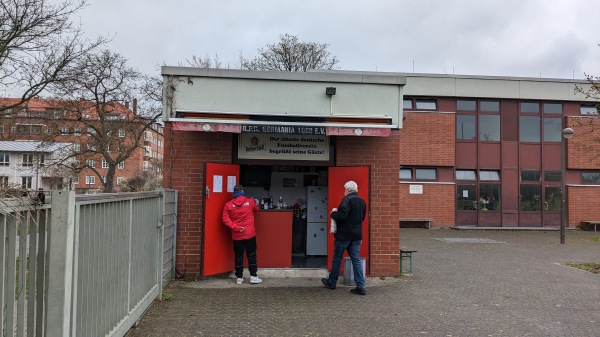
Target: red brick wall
<point>185,155</point>
<point>382,155</point>
<point>437,203</point>
<point>428,139</point>
<point>583,204</point>
<point>583,149</point>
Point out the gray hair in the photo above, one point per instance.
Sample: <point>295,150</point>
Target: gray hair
<point>351,186</point>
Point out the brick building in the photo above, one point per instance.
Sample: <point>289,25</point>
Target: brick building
<point>51,121</point>
<point>446,150</point>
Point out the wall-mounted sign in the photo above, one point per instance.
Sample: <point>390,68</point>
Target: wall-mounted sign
<point>285,129</point>
<point>275,146</point>
<point>415,189</point>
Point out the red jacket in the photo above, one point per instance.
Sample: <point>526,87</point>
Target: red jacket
<point>237,213</point>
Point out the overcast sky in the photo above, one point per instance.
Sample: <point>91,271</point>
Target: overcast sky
<point>532,38</point>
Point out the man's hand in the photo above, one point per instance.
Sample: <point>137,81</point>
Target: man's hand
<point>241,229</point>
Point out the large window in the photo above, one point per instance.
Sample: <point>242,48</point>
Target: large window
<point>90,180</point>
<point>592,178</point>
<point>552,129</point>
<point>26,182</point>
<point>529,130</point>
<point>465,127</point>
<point>483,195</point>
<point>530,198</point>
<point>489,128</point>
<point>27,159</point>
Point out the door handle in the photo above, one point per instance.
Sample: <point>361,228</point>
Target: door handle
<point>545,205</point>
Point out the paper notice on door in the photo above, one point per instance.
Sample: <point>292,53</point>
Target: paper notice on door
<point>231,180</point>
<point>217,184</point>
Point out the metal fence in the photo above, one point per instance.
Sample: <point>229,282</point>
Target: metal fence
<point>92,264</point>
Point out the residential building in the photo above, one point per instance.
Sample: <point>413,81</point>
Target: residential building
<point>94,135</point>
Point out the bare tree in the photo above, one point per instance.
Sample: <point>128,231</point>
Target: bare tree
<point>38,46</point>
<point>588,127</point>
<point>92,100</point>
<point>290,54</point>
<point>204,62</point>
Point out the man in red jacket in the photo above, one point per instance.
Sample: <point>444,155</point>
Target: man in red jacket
<point>238,215</point>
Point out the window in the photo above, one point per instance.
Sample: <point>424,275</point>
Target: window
<point>121,165</point>
<point>145,168</point>
<point>552,176</point>
<point>465,175</point>
<point>27,159</point>
<point>530,107</point>
<point>466,197</point>
<point>121,133</point>
<point>104,179</point>
<point>530,197</point>
<point>42,159</point>
<point>90,147</point>
<point>489,197</point>
<point>147,150</point>
<point>48,131</point>
<point>489,128</point>
<point>530,175</point>
<point>91,131</point>
<point>489,106</point>
<point>91,163</point>
<point>426,104</point>
<point>552,108</point>
<point>466,105</point>
<point>552,129</point>
<point>590,178</point>
<point>407,104</point>
<point>77,131</point>
<point>76,147</point>
<point>75,180</point>
<point>529,130</point>
<point>3,181</point>
<point>465,127</point>
<point>85,116</point>
<point>425,174</point>
<point>90,180</point>
<point>407,173</point>
<point>36,129</point>
<point>119,180</point>
<point>489,175</point>
<point>13,129</point>
<point>1,128</point>
<point>26,182</point>
<point>23,129</point>
<point>64,131</point>
<point>588,110</point>
<point>147,135</point>
<point>4,159</point>
<point>104,164</point>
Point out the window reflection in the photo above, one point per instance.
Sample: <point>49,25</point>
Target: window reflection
<point>552,129</point>
<point>489,198</point>
<point>529,130</point>
<point>489,128</point>
<point>530,198</point>
<point>465,127</point>
<point>466,197</point>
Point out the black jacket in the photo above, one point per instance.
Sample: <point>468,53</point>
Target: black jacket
<point>349,217</point>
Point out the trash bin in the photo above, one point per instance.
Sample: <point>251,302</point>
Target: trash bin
<point>349,271</point>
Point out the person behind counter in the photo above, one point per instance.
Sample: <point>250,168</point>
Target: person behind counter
<point>349,217</point>
<point>238,215</point>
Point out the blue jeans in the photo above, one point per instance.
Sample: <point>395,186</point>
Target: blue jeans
<point>353,249</point>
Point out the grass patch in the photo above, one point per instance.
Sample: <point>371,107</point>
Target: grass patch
<point>591,267</point>
<point>167,297</point>
<point>595,239</point>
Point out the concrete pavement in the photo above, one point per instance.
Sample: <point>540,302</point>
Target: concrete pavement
<point>464,283</point>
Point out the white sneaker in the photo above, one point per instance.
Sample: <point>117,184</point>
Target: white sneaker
<point>255,280</point>
<point>240,280</point>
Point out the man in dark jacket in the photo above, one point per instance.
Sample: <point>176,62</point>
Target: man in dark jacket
<point>349,217</point>
<point>238,215</point>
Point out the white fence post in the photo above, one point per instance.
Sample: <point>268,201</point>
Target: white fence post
<point>60,275</point>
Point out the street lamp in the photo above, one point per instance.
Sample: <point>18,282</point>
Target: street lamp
<point>566,134</point>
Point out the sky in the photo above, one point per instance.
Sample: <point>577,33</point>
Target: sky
<point>529,38</point>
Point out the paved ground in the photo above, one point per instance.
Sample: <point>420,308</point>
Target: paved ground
<point>517,287</point>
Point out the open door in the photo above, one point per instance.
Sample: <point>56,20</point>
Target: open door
<point>337,177</point>
<point>218,256</point>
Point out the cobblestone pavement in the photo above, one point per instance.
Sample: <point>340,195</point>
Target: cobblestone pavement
<point>514,287</point>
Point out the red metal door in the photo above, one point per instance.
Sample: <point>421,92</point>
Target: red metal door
<point>219,180</point>
<point>337,177</point>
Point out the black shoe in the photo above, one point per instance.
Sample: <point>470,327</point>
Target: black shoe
<point>358,291</point>
<point>327,284</point>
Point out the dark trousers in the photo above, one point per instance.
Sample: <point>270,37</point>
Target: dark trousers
<point>238,247</point>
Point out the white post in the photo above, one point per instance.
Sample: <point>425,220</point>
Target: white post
<point>60,257</point>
